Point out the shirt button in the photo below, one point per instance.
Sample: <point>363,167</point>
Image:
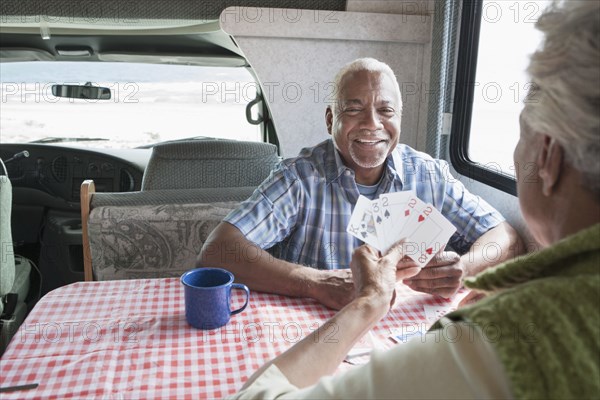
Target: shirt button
<point>348,172</point>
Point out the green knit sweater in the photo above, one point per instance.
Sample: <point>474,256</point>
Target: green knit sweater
<point>544,318</point>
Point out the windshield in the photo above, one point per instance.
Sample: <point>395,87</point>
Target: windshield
<point>149,103</point>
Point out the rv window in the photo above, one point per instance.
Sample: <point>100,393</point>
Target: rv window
<point>496,42</point>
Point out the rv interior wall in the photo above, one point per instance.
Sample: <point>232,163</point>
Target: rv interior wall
<point>296,53</point>
<point>405,7</point>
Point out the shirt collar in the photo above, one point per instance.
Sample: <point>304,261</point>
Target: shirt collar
<point>395,162</point>
<point>334,166</point>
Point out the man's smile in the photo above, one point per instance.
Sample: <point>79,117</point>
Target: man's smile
<point>370,142</point>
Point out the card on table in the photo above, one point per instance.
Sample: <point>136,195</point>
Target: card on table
<point>400,336</point>
<point>433,313</point>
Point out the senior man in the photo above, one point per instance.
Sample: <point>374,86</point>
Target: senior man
<point>302,209</point>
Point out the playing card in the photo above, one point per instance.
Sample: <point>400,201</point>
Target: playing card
<point>401,336</point>
<point>433,313</point>
<point>405,222</point>
<point>428,232</point>
<point>382,222</point>
<point>390,216</point>
<point>362,224</point>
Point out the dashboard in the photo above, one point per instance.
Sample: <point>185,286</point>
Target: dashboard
<point>46,214</point>
<point>58,171</point>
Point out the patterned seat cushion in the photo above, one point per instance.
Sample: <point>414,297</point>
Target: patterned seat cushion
<point>152,241</point>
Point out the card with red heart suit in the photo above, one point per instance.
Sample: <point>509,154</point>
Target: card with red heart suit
<point>394,216</point>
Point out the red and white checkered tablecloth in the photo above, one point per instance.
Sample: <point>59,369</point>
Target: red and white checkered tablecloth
<point>129,340</point>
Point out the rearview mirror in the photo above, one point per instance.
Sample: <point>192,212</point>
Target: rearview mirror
<point>86,91</point>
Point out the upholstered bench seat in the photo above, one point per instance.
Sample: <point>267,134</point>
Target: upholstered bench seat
<point>152,241</point>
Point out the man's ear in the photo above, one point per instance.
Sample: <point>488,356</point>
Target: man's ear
<point>329,118</point>
<point>550,163</point>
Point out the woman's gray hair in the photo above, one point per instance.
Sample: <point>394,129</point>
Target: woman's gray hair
<point>565,70</point>
<point>365,64</point>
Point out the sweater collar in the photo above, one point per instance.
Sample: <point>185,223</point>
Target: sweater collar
<point>559,259</point>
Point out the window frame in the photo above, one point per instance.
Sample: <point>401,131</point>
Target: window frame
<point>464,92</point>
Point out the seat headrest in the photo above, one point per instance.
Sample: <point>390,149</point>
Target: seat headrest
<point>210,163</point>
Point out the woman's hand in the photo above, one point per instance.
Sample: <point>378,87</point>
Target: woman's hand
<point>376,275</point>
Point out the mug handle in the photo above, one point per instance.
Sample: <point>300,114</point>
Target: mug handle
<point>244,288</point>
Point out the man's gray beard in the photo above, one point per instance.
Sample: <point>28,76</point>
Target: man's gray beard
<point>375,163</point>
<point>355,159</point>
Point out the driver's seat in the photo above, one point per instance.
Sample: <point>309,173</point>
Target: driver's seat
<point>14,270</point>
<point>209,163</point>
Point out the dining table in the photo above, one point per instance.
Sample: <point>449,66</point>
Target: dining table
<point>129,339</point>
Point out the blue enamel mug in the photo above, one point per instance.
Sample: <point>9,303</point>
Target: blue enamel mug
<point>207,297</point>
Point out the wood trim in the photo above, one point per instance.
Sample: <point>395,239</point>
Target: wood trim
<point>88,188</point>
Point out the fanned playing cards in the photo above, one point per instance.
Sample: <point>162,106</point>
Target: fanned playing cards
<point>393,216</point>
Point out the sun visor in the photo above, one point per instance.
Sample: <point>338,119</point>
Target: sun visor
<point>206,61</point>
<point>21,54</point>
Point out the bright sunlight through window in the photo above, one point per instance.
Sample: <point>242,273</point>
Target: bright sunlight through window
<point>150,103</point>
<point>508,37</point>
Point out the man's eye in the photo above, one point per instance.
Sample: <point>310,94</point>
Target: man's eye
<point>389,111</point>
<point>352,110</point>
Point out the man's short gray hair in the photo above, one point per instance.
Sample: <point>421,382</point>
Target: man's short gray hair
<point>565,101</point>
<point>365,64</point>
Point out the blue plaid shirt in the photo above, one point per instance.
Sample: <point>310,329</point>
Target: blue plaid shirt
<point>302,209</point>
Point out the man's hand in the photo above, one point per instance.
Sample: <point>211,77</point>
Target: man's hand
<point>442,276</point>
<point>333,288</point>
<point>369,273</point>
